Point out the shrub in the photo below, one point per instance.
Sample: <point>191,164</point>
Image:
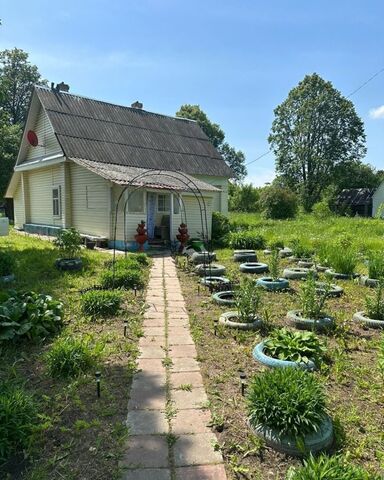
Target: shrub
<point>140,258</point>
<point>274,265</point>
<point>101,303</point>
<point>312,299</point>
<point>220,228</point>
<point>375,305</point>
<point>299,249</point>
<point>17,419</point>
<point>70,357</point>
<point>68,241</point>
<point>243,198</point>
<point>248,301</point>
<point>29,314</point>
<point>294,346</point>
<point>278,203</point>
<point>376,265</point>
<point>275,244</point>
<point>122,278</point>
<point>342,260</point>
<point>321,210</point>
<point>329,468</point>
<point>249,239</point>
<point>7,263</point>
<point>288,400</point>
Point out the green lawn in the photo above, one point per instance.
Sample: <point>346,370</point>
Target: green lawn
<point>77,435</point>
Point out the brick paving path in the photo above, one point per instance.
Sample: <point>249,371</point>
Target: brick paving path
<point>168,434</point>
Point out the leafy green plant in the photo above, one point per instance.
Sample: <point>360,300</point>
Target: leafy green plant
<point>278,203</point>
<point>294,346</point>
<point>18,413</point>
<point>374,306</point>
<point>313,299</point>
<point>248,301</point>
<point>7,263</point>
<point>299,249</point>
<point>248,239</point>
<point>288,400</point>
<point>69,356</point>
<point>329,468</point>
<point>68,241</point>
<point>101,303</point>
<point>122,278</point>
<point>376,265</point>
<point>274,265</point>
<point>220,228</point>
<point>29,314</point>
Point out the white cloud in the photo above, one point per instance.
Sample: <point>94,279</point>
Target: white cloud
<point>376,113</point>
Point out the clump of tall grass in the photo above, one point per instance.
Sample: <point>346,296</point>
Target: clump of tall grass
<point>101,303</point>
<point>374,305</point>
<point>375,265</point>
<point>249,239</point>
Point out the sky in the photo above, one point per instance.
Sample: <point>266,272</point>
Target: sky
<point>237,59</point>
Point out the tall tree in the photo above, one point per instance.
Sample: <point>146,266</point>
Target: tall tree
<point>9,145</point>
<point>315,130</point>
<point>234,158</point>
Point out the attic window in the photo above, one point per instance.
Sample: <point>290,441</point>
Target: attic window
<point>56,201</point>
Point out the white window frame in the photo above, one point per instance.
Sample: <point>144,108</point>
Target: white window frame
<point>129,196</point>
<point>166,210</point>
<point>56,201</point>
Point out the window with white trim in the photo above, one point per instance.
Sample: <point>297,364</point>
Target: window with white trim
<point>163,203</point>
<point>56,201</point>
<point>136,201</point>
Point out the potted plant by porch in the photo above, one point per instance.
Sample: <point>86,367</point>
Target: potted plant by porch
<point>287,409</point>
<point>7,265</point>
<point>68,241</point>
<point>375,270</point>
<point>248,302</point>
<point>311,314</point>
<point>273,282</point>
<point>286,348</point>
<point>373,315</point>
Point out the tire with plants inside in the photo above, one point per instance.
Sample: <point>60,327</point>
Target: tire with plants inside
<point>230,319</point>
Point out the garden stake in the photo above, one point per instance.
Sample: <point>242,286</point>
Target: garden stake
<point>135,290</point>
<point>215,322</point>
<point>242,382</point>
<point>125,327</point>
<point>98,375</point>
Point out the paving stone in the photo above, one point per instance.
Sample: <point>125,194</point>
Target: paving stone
<point>153,331</point>
<point>182,351</point>
<point>196,449</point>
<point>185,364</point>
<point>150,451</point>
<point>154,322</point>
<point>186,378</point>
<point>201,472</point>
<point>191,421</point>
<point>147,399</point>
<point>154,314</point>
<point>152,340</point>
<point>151,351</point>
<point>149,380</point>
<point>177,330</point>
<point>147,422</point>
<point>147,474</point>
<point>185,339</point>
<point>150,364</point>
<point>186,400</point>
<point>178,322</point>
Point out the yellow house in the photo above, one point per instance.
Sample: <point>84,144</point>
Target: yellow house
<point>103,168</point>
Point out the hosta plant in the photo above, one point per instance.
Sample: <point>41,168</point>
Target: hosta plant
<point>101,303</point>
<point>313,299</point>
<point>290,401</point>
<point>294,346</point>
<point>374,306</point>
<point>324,467</point>
<point>248,301</point>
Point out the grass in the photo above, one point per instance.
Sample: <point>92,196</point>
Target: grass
<point>351,372</point>
<point>78,435</point>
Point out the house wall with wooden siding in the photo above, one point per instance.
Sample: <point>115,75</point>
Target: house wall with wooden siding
<point>192,211</point>
<point>48,144</point>
<point>18,206</point>
<point>90,201</point>
<point>378,199</point>
<point>39,184</point>
<point>220,199</point>
<point>132,218</point>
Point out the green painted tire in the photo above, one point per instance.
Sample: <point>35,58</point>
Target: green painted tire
<point>322,323</point>
<point>224,298</point>
<point>227,319</point>
<point>360,317</point>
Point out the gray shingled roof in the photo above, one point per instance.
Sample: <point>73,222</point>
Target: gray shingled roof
<point>106,133</point>
<point>158,179</point>
<point>355,196</point>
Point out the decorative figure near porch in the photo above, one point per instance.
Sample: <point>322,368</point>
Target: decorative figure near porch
<point>141,236</point>
<point>182,236</point>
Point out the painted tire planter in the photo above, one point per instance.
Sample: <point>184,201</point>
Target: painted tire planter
<point>7,278</point>
<point>368,282</point>
<point>209,281</point>
<point>314,442</point>
<point>228,319</point>
<point>305,263</point>
<point>360,317</point>
<point>259,355</point>
<point>341,276</point>
<point>335,290</point>
<point>269,284</point>
<point>253,267</point>
<point>69,264</point>
<point>296,273</point>
<point>224,298</point>
<point>202,257</point>
<point>214,270</point>
<point>285,252</point>
<point>245,257</point>
<point>236,252</point>
<point>320,268</point>
<point>310,323</point>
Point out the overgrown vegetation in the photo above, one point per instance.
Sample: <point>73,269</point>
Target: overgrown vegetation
<point>246,240</point>
<point>313,299</point>
<point>374,305</point>
<point>248,301</point>
<point>101,303</point>
<point>125,273</point>
<point>68,241</point>
<point>7,263</point>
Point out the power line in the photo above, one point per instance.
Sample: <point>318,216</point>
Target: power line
<point>348,96</point>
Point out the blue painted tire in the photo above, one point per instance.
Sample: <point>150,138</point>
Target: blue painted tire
<point>305,263</point>
<point>7,278</point>
<point>259,355</point>
<point>209,281</point>
<point>224,298</point>
<point>368,282</point>
<point>341,276</point>
<point>210,270</point>
<point>322,323</point>
<point>275,285</point>
<point>297,273</point>
<point>254,267</point>
<point>227,319</point>
<point>314,442</point>
<point>360,317</point>
<point>335,290</point>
